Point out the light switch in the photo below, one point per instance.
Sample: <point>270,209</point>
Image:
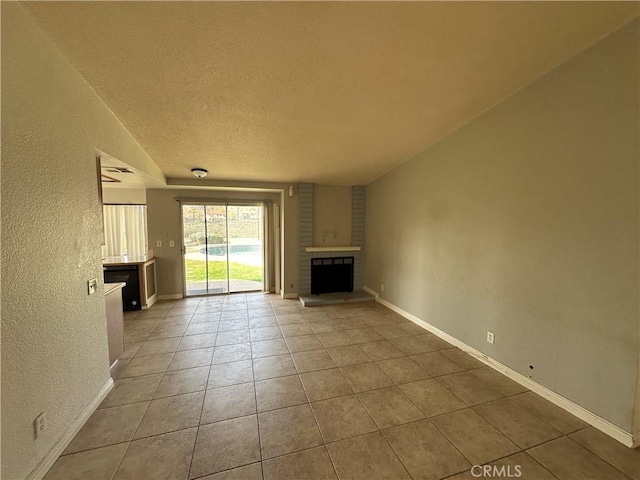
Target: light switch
<point>172,243</point>
<point>159,243</point>
<point>92,286</point>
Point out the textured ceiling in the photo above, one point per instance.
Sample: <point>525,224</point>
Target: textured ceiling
<point>332,93</point>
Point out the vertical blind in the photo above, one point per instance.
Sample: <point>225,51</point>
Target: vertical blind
<point>125,230</point>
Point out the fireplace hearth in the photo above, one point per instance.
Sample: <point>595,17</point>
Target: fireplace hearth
<point>331,275</point>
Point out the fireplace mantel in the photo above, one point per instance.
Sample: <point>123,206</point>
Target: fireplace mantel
<point>334,249</point>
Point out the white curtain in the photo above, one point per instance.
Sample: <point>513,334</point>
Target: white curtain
<point>125,229</point>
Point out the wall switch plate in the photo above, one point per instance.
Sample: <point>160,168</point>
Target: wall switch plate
<point>382,287</point>
<point>39,424</point>
<point>159,243</point>
<point>172,243</point>
<point>490,337</point>
<point>92,286</point>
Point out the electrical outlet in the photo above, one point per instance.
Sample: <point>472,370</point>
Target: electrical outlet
<point>159,243</point>
<point>92,286</point>
<point>490,337</point>
<point>172,243</point>
<point>382,287</point>
<point>39,424</point>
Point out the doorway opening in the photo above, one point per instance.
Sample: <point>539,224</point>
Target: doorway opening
<point>223,248</point>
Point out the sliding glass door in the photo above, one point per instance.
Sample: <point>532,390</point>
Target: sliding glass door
<point>223,248</point>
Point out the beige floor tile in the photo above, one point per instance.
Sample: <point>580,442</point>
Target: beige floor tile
<point>261,312</point>
<point>557,417</point>
<point>434,343</point>
<point>108,426</point>
<point>96,464</point>
<point>192,342</point>
<point>365,376</point>
<point>230,325</point>
<point>476,439</point>
<point>265,333</point>
<point>248,472</point>
<point>309,464</point>
<point>303,343</point>
<point>119,367</point>
<point>392,331</point>
<point>171,414</point>
<point>296,330</point>
<point>290,319</point>
<point>200,328</point>
<point>191,359</point>
<point>260,322</point>
<point>154,347</point>
<point>431,397</point>
<point>232,373</point>
<point>183,381</point>
<point>152,313</point>
<point>269,347</point>
<point>233,337</point>
<point>229,402</point>
<point>381,350</point>
<point>132,390</point>
<point>467,475</point>
<point>147,365</point>
<point>342,417</point>
<point>402,370</point>
<point>389,407</point>
<point>463,359</point>
<point>334,339</point>
<point>424,451</point>
<point>324,384</point>
<point>279,393</point>
<point>410,345</point>
<point>469,388</point>
<point>180,320</point>
<point>312,360</point>
<point>288,430</point>
<point>523,428</point>
<point>568,460</point>
<point>232,353</point>
<point>368,457</point>
<point>348,355</point>
<point>623,458</point>
<point>167,331</point>
<point>274,366</point>
<point>163,457</point>
<point>364,335</point>
<point>521,466</point>
<point>497,381</point>
<point>436,364</point>
<point>225,445</point>
<point>131,349</point>
<point>324,326</point>
<point>142,324</point>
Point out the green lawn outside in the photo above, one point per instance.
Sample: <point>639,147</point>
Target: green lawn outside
<point>218,271</point>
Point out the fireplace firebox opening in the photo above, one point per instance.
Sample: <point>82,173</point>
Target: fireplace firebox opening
<point>331,275</point>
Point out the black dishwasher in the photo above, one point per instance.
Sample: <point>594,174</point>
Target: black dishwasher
<point>129,275</point>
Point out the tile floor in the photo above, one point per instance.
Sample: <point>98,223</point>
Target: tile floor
<point>256,387</point>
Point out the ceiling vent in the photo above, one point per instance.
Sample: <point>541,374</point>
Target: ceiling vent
<point>117,170</point>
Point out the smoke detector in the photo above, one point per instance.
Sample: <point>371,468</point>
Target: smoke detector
<point>199,172</point>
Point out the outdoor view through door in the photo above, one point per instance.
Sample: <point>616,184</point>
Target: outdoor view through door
<point>223,248</point>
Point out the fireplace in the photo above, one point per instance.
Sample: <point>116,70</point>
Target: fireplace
<point>329,275</point>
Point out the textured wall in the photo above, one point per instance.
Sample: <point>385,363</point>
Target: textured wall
<point>331,215</point>
<point>525,222</point>
<point>54,338</point>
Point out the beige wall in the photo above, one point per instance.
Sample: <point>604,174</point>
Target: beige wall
<point>54,338</point>
<point>124,196</point>
<point>525,222</point>
<point>163,214</point>
<point>331,215</point>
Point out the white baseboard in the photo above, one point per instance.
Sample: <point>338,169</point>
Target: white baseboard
<point>52,455</point>
<point>615,432</point>
<point>171,296</point>
<point>289,295</point>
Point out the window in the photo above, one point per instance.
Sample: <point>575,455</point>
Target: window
<point>125,228</point>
